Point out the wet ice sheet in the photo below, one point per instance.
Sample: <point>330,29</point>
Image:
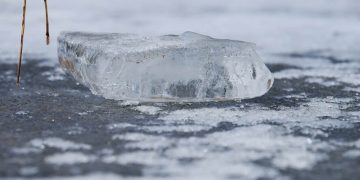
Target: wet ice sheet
<point>257,140</point>
<point>307,127</point>
<point>293,128</point>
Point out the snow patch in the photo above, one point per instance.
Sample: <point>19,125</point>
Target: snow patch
<point>175,128</point>
<point>29,170</point>
<point>55,75</point>
<point>119,126</point>
<point>22,113</point>
<point>143,141</point>
<point>151,110</point>
<point>237,150</point>
<point>69,158</point>
<point>352,154</point>
<point>129,103</point>
<point>58,144</point>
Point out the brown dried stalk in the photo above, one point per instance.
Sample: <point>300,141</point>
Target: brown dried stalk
<point>47,34</point>
<point>21,43</point>
<point>47,23</point>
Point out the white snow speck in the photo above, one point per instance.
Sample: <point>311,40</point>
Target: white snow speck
<point>151,110</point>
<point>58,143</point>
<point>69,158</point>
<point>119,126</point>
<point>26,171</point>
<point>22,113</point>
<point>129,103</point>
<point>82,113</point>
<point>355,153</point>
<point>56,75</point>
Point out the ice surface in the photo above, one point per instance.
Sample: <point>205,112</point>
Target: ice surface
<point>308,126</point>
<point>186,67</point>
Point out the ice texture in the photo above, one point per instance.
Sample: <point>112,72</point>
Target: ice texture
<point>186,67</point>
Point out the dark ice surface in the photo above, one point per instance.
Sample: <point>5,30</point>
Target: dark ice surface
<point>306,127</point>
<point>43,109</point>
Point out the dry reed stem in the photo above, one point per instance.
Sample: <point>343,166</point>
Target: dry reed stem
<point>21,43</point>
<point>47,34</point>
<point>47,23</point>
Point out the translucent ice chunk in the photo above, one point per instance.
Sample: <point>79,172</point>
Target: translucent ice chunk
<point>186,67</point>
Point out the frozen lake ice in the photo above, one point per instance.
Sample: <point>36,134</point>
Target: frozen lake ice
<point>306,127</point>
<point>180,68</point>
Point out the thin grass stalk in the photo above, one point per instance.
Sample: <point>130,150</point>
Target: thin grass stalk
<point>21,43</point>
<point>47,23</point>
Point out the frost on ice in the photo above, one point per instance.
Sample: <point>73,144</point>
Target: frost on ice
<point>186,67</point>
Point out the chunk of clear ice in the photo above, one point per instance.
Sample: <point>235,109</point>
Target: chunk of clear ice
<point>186,67</point>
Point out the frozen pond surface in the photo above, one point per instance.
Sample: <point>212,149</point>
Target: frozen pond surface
<point>306,127</point>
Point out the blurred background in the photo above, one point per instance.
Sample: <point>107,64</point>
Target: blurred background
<point>276,26</point>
